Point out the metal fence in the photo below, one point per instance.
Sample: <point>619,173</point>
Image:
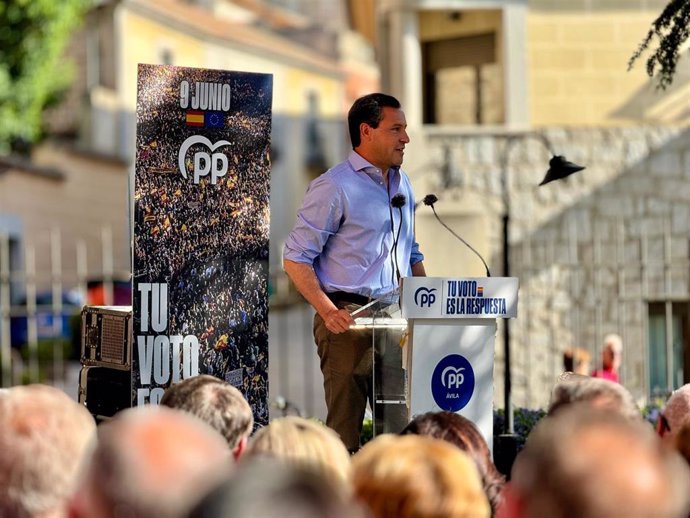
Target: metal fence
<point>39,307</point>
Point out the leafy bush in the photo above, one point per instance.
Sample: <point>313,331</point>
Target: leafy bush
<point>367,431</point>
<point>652,410</point>
<point>524,419</point>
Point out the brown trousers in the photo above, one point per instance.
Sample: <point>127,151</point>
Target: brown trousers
<point>346,364</point>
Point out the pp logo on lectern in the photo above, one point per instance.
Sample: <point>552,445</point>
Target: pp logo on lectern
<point>452,383</point>
<point>424,297</point>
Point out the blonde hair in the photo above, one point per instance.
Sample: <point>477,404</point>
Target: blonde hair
<point>303,442</point>
<point>414,476</point>
<point>574,358</point>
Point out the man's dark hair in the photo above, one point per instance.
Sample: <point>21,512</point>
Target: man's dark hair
<point>215,402</point>
<point>368,109</point>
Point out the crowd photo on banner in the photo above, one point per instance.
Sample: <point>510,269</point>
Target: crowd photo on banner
<point>201,228</point>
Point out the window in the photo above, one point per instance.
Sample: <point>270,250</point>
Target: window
<point>474,64</point>
<point>462,81</point>
<point>668,354</point>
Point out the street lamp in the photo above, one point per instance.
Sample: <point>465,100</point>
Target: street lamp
<point>559,168</point>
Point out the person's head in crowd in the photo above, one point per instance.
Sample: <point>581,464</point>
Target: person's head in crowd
<point>218,404</point>
<point>414,476</point>
<point>611,358</point>
<point>463,433</point>
<point>595,392</point>
<point>269,488</point>
<point>676,410</point>
<point>613,344</point>
<point>149,462</point>
<point>45,437</point>
<point>589,463</point>
<point>577,360</point>
<point>300,441</point>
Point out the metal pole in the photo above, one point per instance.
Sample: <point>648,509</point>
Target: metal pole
<point>509,427</point>
<point>507,381</point>
<point>507,441</point>
<point>5,315</point>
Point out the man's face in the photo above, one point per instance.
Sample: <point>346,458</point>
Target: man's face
<point>386,143</point>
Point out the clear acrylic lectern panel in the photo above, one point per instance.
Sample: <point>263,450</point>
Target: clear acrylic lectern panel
<point>388,330</point>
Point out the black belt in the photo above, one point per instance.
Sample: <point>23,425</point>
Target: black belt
<point>344,296</point>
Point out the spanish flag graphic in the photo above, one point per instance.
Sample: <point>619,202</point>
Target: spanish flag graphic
<point>194,118</point>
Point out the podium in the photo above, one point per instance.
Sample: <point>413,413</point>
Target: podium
<point>389,405</point>
<point>445,330</point>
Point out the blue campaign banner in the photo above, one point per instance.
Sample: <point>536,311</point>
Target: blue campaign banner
<point>201,221</point>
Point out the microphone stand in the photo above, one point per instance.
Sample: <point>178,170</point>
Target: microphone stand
<point>488,273</point>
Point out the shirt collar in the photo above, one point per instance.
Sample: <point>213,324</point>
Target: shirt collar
<point>359,163</point>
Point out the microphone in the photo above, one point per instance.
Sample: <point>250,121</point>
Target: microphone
<point>429,200</point>
<point>398,201</point>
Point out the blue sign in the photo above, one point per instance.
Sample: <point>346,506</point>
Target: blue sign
<point>452,383</point>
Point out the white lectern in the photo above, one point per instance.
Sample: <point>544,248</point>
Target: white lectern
<point>450,349</point>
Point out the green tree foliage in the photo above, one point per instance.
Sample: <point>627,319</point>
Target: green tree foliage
<point>33,71</point>
<point>671,29</point>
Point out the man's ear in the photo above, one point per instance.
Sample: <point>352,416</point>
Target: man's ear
<point>238,450</point>
<point>365,131</point>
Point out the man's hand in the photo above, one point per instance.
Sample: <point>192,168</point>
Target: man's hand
<point>338,320</point>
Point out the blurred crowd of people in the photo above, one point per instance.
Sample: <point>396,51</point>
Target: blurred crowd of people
<point>198,455</point>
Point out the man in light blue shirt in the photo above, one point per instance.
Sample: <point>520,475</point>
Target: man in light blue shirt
<point>349,246</point>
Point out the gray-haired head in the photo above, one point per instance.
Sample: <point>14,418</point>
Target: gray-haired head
<point>596,392</point>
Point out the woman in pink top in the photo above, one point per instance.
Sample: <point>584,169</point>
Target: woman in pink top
<point>611,357</point>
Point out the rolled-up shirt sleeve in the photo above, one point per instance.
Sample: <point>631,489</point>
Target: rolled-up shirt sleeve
<point>317,220</point>
<point>416,256</point>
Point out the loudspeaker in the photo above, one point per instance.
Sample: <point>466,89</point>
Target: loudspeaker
<point>106,336</point>
<point>105,380</point>
<point>105,391</point>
